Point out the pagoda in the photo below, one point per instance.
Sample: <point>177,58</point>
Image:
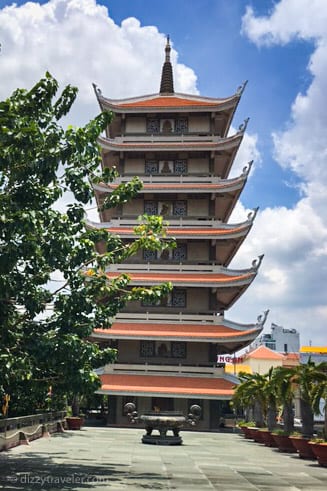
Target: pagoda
<point>178,145</point>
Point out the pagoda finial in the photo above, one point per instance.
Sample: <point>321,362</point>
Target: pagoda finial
<point>167,83</point>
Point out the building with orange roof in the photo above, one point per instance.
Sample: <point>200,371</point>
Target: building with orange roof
<point>178,145</point>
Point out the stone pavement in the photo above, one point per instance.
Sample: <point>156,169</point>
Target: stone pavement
<point>115,459</point>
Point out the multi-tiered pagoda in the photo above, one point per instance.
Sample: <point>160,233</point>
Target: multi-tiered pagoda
<point>167,352</point>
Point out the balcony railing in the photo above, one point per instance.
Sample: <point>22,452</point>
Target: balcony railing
<point>200,370</point>
<point>177,318</point>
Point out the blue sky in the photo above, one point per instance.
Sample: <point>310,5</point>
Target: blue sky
<point>278,46</point>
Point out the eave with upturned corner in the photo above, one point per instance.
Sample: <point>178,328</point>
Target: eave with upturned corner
<point>220,386</point>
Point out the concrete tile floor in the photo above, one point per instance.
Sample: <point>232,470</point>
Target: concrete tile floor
<point>115,459</point>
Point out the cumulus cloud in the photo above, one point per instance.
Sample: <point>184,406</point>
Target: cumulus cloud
<point>78,42</point>
<point>294,272</point>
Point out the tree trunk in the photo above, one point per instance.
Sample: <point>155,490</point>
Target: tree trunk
<point>271,417</point>
<point>288,417</point>
<point>75,405</point>
<point>325,421</point>
<point>258,414</point>
<point>307,418</point>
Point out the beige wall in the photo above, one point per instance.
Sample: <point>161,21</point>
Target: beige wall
<point>198,166</point>
<point>133,208</point>
<point>199,123</point>
<point>197,300</point>
<point>196,123</point>
<point>134,166</point>
<point>262,366</point>
<point>197,208</point>
<point>198,251</point>
<point>129,352</point>
<point>135,125</point>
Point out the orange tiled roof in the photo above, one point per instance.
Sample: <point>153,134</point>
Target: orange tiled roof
<point>185,231</point>
<point>165,384</point>
<point>172,101</point>
<point>173,330</point>
<point>292,356</point>
<point>206,278</point>
<point>262,352</point>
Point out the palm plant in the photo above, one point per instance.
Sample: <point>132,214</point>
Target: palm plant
<point>250,396</point>
<point>310,380</point>
<point>284,388</point>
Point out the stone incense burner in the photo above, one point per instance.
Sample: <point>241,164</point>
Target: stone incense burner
<point>163,421</point>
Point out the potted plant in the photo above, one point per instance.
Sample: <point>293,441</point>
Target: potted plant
<point>302,446</point>
<point>319,448</point>
<point>282,439</point>
<point>267,438</point>
<point>74,421</point>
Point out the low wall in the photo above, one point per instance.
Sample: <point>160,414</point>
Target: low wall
<point>22,430</point>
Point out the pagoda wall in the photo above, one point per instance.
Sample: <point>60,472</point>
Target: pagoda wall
<point>136,166</point>
<point>129,351</point>
<point>138,124</point>
<point>195,207</point>
<point>196,252</point>
<point>197,300</point>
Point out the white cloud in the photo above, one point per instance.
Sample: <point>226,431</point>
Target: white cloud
<point>79,43</point>
<point>293,275</point>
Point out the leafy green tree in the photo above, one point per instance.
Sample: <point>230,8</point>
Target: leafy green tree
<point>45,354</point>
<point>310,379</point>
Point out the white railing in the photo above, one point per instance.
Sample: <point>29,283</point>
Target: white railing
<point>212,319</point>
<point>179,222</point>
<point>171,179</point>
<point>167,137</point>
<point>135,368</point>
<point>155,267</point>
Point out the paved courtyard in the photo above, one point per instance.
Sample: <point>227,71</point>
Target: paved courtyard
<point>115,459</point>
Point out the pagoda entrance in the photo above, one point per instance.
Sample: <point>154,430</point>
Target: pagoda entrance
<point>162,403</point>
<point>218,409</point>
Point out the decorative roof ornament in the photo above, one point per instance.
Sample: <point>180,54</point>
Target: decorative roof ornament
<point>262,318</point>
<point>253,213</point>
<point>256,262</point>
<point>96,89</point>
<point>167,82</point>
<point>247,168</point>
<point>241,88</point>
<point>243,126</point>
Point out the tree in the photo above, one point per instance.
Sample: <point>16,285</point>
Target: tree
<point>284,388</point>
<point>249,395</point>
<point>45,355</point>
<point>257,392</point>
<point>310,379</point>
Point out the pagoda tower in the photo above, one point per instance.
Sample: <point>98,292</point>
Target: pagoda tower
<point>167,353</point>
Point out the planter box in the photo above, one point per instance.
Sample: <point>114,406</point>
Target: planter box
<point>257,436</point>
<point>302,446</point>
<point>284,443</point>
<point>252,432</point>
<point>320,451</point>
<point>268,439</point>
<point>74,423</point>
<point>246,430</point>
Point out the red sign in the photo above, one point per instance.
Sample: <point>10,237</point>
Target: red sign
<point>229,359</point>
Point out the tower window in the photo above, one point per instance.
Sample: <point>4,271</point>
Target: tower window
<point>153,126</point>
<point>151,167</point>
<point>181,125</point>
